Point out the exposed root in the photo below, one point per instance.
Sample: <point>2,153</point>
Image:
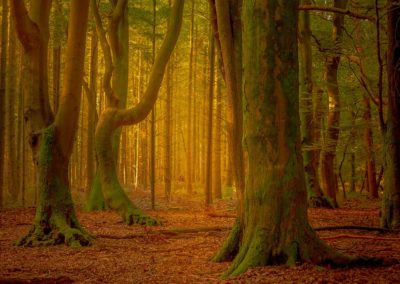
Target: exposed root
<point>49,235</point>
<point>136,216</point>
<point>230,248</point>
<point>319,202</point>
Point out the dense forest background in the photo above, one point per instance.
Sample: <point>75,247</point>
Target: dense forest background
<point>262,114</point>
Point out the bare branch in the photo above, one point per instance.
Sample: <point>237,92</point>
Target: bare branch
<point>346,12</point>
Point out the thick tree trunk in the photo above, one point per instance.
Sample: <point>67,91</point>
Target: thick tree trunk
<point>276,229</point>
<point>55,221</point>
<point>391,199</point>
<point>33,33</point>
<point>113,118</point>
<point>310,141</point>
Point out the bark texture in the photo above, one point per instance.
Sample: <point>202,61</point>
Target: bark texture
<point>55,221</point>
<point>391,199</point>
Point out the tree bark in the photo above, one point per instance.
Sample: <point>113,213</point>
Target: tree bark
<point>113,118</point>
<point>3,62</point>
<point>33,33</point>
<point>217,141</point>
<point>310,140</point>
<point>328,173</point>
<point>276,229</point>
<point>55,221</point>
<point>391,197</point>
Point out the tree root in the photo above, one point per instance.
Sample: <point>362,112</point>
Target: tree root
<point>136,216</point>
<point>230,248</point>
<point>319,202</point>
<point>360,237</point>
<point>49,235</point>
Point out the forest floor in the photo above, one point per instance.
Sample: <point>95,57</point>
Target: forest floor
<point>178,251</point>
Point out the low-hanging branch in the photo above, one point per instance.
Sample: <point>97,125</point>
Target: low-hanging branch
<point>346,12</point>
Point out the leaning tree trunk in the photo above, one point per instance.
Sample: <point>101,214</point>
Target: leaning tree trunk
<point>391,199</point>
<point>316,197</point>
<point>276,229</point>
<point>55,221</point>
<point>227,26</point>
<point>113,118</point>
<point>328,173</point>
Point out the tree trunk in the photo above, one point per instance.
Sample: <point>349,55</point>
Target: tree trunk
<point>310,141</point>
<point>209,172</point>
<point>3,62</point>
<point>189,160</point>
<point>328,172</point>
<point>227,26</point>
<point>113,118</point>
<point>153,120</point>
<point>55,221</point>
<point>217,142</point>
<point>33,33</point>
<point>276,229</point>
<point>391,198</point>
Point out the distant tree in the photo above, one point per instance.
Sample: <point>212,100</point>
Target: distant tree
<point>55,221</point>
<point>391,198</point>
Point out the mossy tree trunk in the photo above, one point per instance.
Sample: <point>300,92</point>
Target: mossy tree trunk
<point>310,139</point>
<point>33,32</point>
<point>328,172</point>
<point>276,229</point>
<point>115,80</point>
<point>113,118</point>
<point>227,27</point>
<point>391,199</point>
<point>55,221</point>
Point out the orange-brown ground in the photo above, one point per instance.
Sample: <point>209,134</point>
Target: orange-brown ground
<point>137,254</point>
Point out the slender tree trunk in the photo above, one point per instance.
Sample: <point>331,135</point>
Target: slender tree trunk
<point>3,62</point>
<point>55,221</point>
<point>114,118</point>
<point>153,120</point>
<point>227,26</point>
<point>217,142</point>
<point>391,198</point>
<point>309,139</point>
<point>189,147</point>
<point>209,172</point>
<point>328,172</point>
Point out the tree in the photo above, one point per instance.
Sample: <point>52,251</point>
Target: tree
<point>276,228</point>
<point>3,60</point>
<point>227,28</point>
<point>33,33</point>
<point>113,118</point>
<point>328,175</point>
<point>391,198</point>
<point>55,221</point>
<point>309,121</point>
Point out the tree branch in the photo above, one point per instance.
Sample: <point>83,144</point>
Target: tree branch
<point>346,12</point>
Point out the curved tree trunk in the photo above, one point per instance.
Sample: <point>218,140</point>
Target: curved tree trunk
<point>328,173</point>
<point>391,199</point>
<point>276,229</point>
<point>309,122</point>
<point>113,118</point>
<point>55,221</point>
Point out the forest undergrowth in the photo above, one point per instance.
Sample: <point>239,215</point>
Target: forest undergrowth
<point>179,250</point>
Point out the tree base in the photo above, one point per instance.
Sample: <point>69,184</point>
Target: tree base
<point>230,248</point>
<point>134,215</point>
<point>319,202</point>
<point>56,233</point>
